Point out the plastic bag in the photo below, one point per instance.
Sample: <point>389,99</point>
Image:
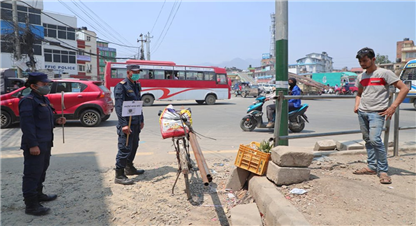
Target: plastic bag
<point>171,124</point>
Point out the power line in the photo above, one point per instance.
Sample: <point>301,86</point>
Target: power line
<point>167,21</point>
<point>158,16</point>
<point>53,18</point>
<point>76,14</point>
<point>168,27</point>
<point>97,22</point>
<point>107,25</point>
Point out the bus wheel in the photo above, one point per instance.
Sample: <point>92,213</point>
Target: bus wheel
<point>200,101</point>
<point>148,100</point>
<point>210,99</point>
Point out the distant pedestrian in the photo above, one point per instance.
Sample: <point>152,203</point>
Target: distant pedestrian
<point>127,90</point>
<point>37,123</point>
<point>372,107</point>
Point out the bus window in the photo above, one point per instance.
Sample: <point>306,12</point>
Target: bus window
<point>145,74</point>
<point>180,75</point>
<point>168,74</point>
<point>190,75</point>
<point>199,75</point>
<point>118,72</point>
<point>209,76</point>
<point>159,74</point>
<point>409,74</point>
<point>221,79</point>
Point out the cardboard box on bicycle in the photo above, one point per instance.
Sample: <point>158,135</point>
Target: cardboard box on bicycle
<point>252,160</point>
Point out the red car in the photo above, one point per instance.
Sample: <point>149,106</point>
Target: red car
<point>88,101</point>
<point>352,91</point>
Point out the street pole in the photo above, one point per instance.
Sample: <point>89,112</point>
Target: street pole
<point>281,49</point>
<point>148,37</point>
<point>18,53</point>
<point>141,52</point>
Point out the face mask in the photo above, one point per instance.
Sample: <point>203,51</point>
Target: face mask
<point>135,77</point>
<point>44,90</point>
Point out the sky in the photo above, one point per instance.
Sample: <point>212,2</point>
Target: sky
<point>190,32</point>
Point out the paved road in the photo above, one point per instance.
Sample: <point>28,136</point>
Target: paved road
<point>220,121</point>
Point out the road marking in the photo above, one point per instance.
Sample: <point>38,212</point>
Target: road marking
<point>210,152</point>
<point>144,153</point>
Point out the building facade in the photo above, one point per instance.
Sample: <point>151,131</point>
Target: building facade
<point>312,63</point>
<point>406,50</point>
<point>60,44</point>
<point>104,54</point>
<point>26,14</point>
<point>87,58</point>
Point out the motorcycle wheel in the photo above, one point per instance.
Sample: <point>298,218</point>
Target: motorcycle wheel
<point>248,125</point>
<point>296,127</point>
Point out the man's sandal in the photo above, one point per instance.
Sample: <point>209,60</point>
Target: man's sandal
<point>364,171</point>
<point>384,178</point>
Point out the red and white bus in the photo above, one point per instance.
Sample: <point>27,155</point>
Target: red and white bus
<point>164,80</point>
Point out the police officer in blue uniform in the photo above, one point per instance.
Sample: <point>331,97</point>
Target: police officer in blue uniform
<point>127,90</point>
<point>36,123</point>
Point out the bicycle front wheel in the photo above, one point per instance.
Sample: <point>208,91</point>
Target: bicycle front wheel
<point>184,161</point>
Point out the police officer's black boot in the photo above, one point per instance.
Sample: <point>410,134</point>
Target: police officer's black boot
<point>44,197</point>
<point>131,170</point>
<point>121,178</point>
<point>33,207</point>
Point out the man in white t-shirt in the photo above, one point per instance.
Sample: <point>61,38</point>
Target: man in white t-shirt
<point>372,107</point>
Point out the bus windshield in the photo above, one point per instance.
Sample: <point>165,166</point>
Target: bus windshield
<point>408,76</point>
<point>164,80</point>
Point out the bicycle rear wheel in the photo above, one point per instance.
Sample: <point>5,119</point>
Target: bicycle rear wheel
<point>184,162</point>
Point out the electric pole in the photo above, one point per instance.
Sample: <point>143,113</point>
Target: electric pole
<point>281,16</point>
<point>141,52</point>
<point>28,40</point>
<point>18,53</point>
<point>148,44</point>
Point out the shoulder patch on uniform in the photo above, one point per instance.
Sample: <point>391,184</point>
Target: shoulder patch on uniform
<point>122,82</point>
<point>130,91</point>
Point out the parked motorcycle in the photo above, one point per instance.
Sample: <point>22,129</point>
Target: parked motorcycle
<point>254,117</point>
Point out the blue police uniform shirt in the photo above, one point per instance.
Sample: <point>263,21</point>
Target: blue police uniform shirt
<point>127,91</point>
<point>36,120</point>
<point>295,92</point>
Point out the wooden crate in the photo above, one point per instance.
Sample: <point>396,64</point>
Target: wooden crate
<point>252,160</point>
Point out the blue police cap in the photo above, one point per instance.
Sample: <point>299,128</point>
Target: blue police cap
<point>38,77</point>
<point>133,67</point>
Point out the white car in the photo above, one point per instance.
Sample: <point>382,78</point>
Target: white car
<point>268,87</point>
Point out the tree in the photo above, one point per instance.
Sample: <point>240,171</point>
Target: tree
<point>382,59</point>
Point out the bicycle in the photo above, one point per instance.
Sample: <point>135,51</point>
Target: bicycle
<point>181,137</point>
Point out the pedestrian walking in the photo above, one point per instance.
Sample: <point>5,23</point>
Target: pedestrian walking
<point>372,107</point>
<point>127,90</point>
<point>37,123</point>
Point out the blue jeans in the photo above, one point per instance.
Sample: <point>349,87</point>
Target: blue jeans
<point>371,125</point>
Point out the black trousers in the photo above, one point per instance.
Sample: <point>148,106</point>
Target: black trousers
<point>126,154</point>
<point>35,167</point>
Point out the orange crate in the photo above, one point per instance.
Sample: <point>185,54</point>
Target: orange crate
<point>252,160</point>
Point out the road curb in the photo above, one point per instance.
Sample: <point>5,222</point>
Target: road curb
<point>277,210</point>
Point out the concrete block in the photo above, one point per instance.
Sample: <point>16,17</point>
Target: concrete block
<point>350,145</point>
<point>246,214</point>
<point>286,175</point>
<point>323,145</point>
<point>276,208</point>
<point>237,179</point>
<point>291,157</point>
